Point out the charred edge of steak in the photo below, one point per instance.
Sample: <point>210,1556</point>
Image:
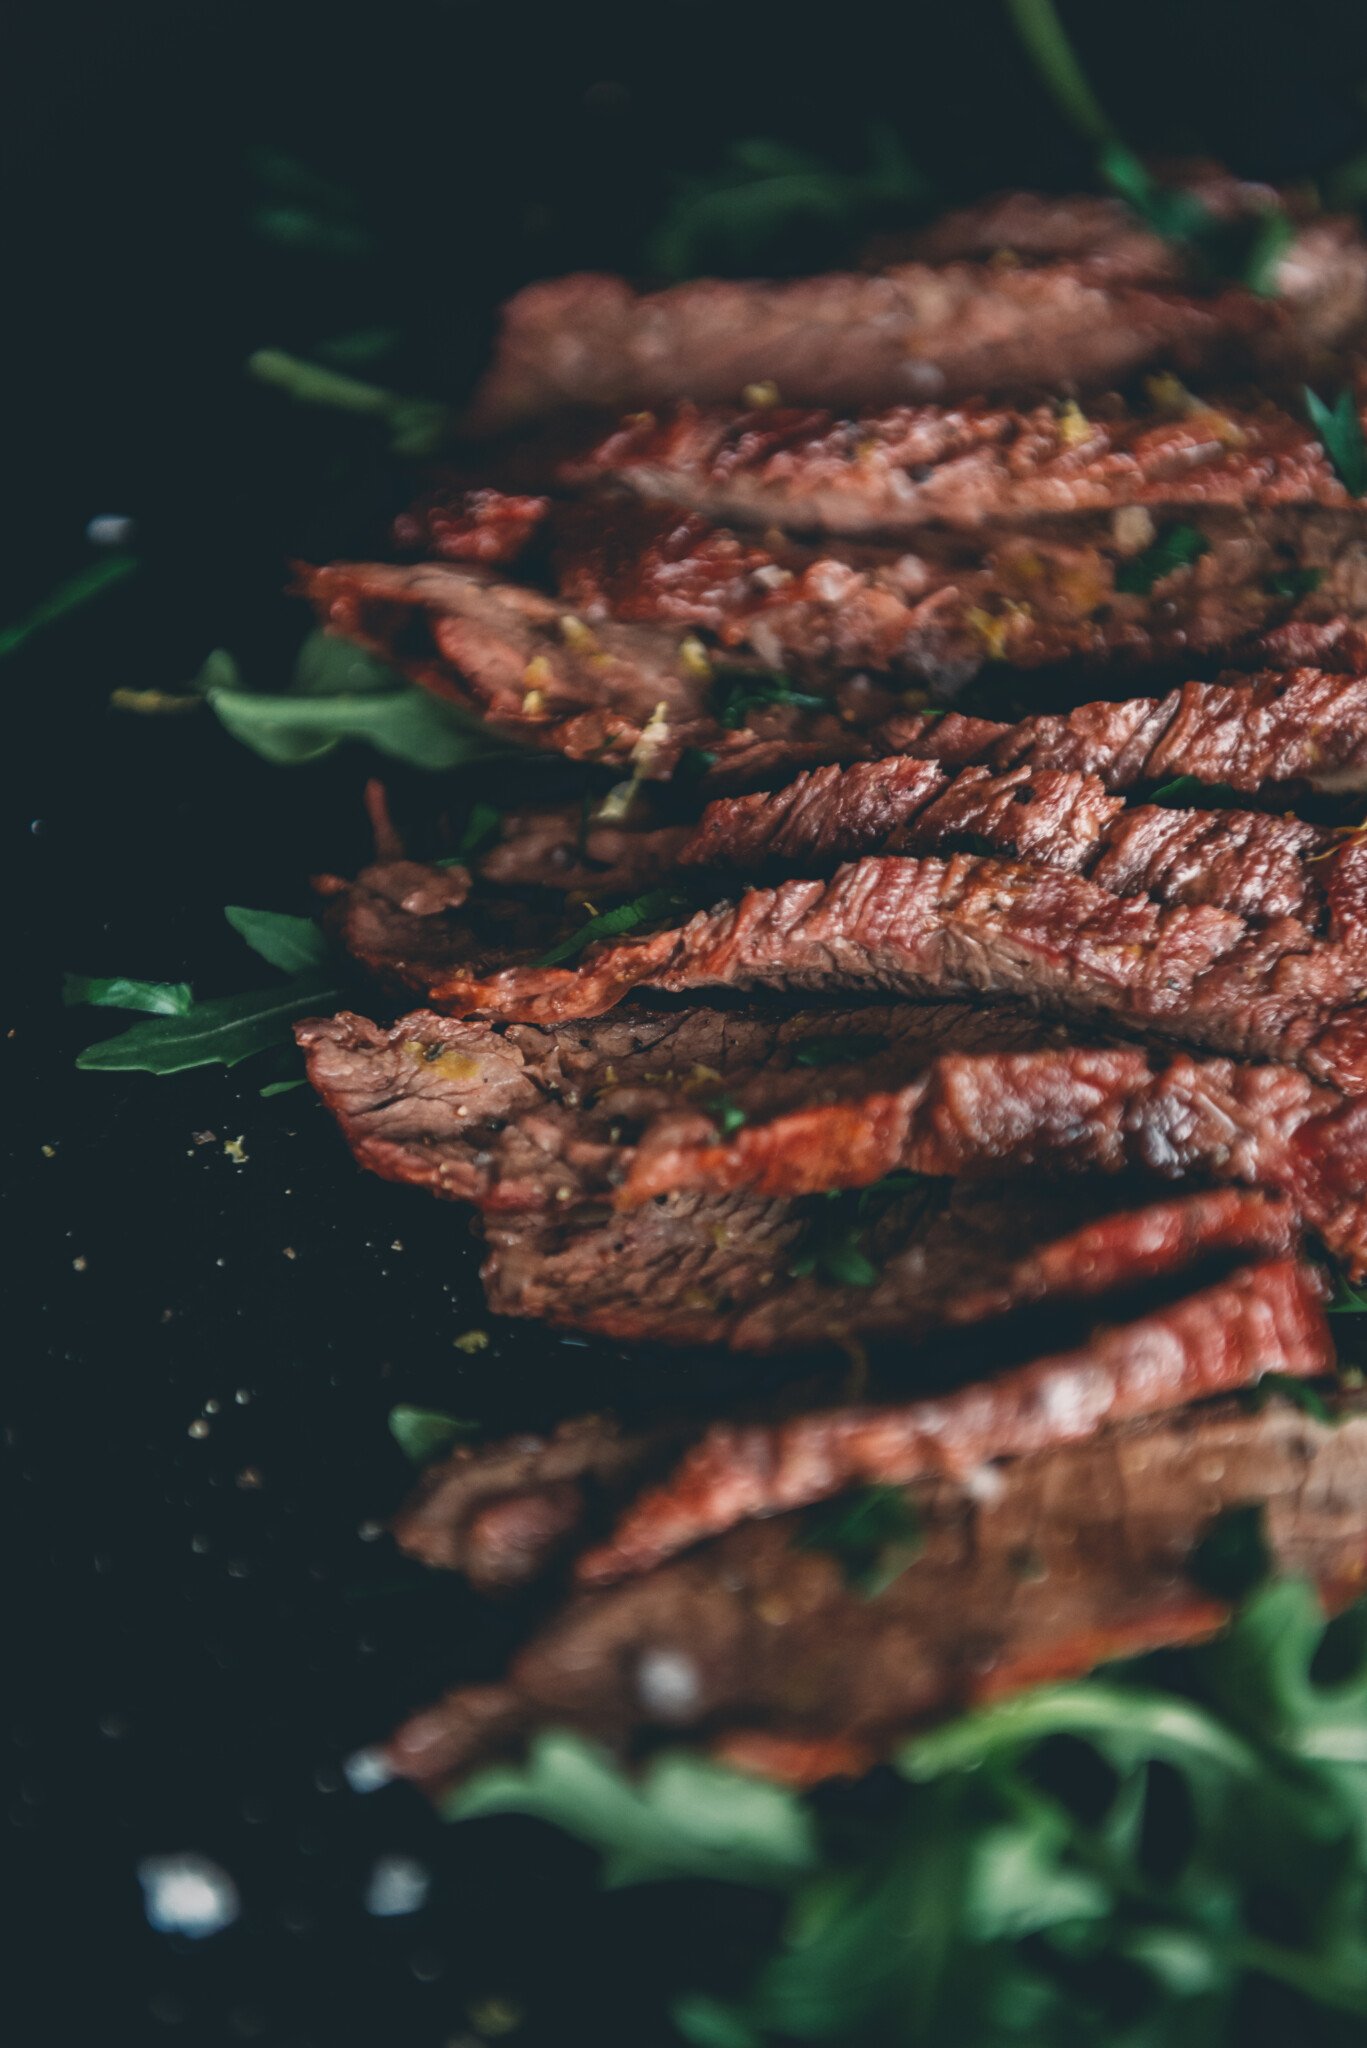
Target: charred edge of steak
<point>756,1646</point>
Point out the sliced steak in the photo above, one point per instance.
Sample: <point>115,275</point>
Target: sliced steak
<point>622,694</point>
<point>757,1646</point>
<point>526,1118</point>
<point>1106,1109</point>
<point>1259,866</point>
<point>1111,590</point>
<point>996,929</point>
<point>1261,1319</point>
<point>917,331</point>
<point>628,1108</point>
<point>1050,468</point>
<point>798,1277</point>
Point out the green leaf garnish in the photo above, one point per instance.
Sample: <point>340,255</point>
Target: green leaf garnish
<point>117,992</point>
<point>481,826</point>
<point>284,1087</point>
<point>737,694</point>
<point>1340,428</point>
<point>416,426</point>
<point>69,596</point>
<point>875,1534</point>
<point>294,944</point>
<point>223,1031</point>
<point>423,1434</point>
<point>683,1817</point>
<point>1189,793</point>
<point>727,1114</point>
<point>1295,1392</point>
<point>1176,548</point>
<point>1294,582</point>
<point>737,217</point>
<point>651,908</point>
<point>339,692</point>
<point>835,1245</point>
<point>837,1050</point>
<point>1347,1300</point>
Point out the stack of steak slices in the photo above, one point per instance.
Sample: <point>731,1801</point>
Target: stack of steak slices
<point>1006,1077</point>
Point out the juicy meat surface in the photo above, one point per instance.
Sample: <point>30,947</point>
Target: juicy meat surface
<point>916,331</point>
<point>974,926</point>
<point>776,1276</point>
<point>1080,1554</point>
<point>973,466</point>
<point>1261,1319</point>
<point>1094,590</point>
<point>525,1117</point>
<point>1107,1109</point>
<point>1259,866</point>
<point>628,1108</point>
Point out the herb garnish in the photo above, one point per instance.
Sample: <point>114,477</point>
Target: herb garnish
<point>293,944</point>
<point>1297,1393</point>
<point>994,1896</point>
<point>1294,582</point>
<point>69,596</point>
<point>727,1114</point>
<point>1348,1300</point>
<point>117,992</point>
<point>875,1534</point>
<point>834,1249</point>
<point>1339,426</point>
<point>1176,548</point>
<point>423,1434</point>
<point>1188,792</point>
<point>838,1050</point>
<point>743,691</point>
<point>416,426</point>
<point>652,908</point>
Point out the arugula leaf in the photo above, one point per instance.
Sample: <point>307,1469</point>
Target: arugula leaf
<point>481,826</point>
<point>1297,1393</point>
<point>341,693</point>
<point>284,1087</point>
<point>423,1434</point>
<point>838,1050</point>
<point>293,944</point>
<point>416,426</point>
<point>225,1030</point>
<point>1348,1300</point>
<point>875,1534</point>
<point>1340,428</point>
<point>1294,582</point>
<point>684,1816</point>
<point>727,1114</point>
<point>742,692</point>
<point>80,589</point>
<point>651,908</point>
<point>1188,792</point>
<point>117,992</point>
<point>737,216</point>
<point>1176,548</point>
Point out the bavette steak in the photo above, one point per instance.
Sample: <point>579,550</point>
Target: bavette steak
<point>758,1647</point>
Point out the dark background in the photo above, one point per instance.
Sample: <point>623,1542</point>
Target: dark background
<point>202,1626</point>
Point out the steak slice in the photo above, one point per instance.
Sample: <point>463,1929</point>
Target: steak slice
<point>757,1647</point>
<point>627,1108</point>
<point>1093,589</point>
<point>917,331</point>
<point>972,466</point>
<point>1259,866</point>
<point>784,1276</point>
<point>1262,1318</point>
<point>526,1117</point>
<point>1106,1109</point>
<point>969,925</point>
<point>617,693</point>
<point>501,1513</point>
